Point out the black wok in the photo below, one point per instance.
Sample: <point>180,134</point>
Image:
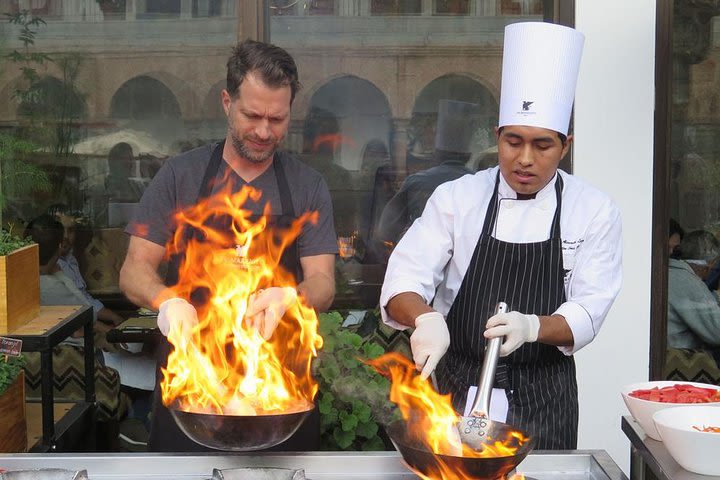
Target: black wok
<point>239,433</point>
<point>418,457</point>
<point>476,431</point>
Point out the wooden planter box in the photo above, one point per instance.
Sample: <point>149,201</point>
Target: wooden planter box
<point>19,288</point>
<point>13,427</point>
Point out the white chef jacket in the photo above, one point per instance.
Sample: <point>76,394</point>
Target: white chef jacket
<point>432,257</point>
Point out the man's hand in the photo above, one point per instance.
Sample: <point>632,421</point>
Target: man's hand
<point>429,341</point>
<point>267,307</point>
<point>177,313</point>
<point>516,327</point>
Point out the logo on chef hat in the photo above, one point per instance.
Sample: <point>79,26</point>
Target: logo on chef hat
<point>526,105</point>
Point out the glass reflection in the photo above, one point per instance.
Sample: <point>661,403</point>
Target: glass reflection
<point>375,73</point>
<point>693,316</point>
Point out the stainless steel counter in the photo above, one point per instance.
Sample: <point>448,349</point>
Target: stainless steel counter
<point>570,465</point>
<point>646,451</point>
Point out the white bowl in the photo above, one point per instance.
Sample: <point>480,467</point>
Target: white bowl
<point>695,451</point>
<point>643,410</point>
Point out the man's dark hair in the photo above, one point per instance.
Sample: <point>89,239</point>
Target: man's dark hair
<point>676,228</point>
<point>700,245</point>
<point>275,67</point>
<point>58,209</point>
<point>47,233</point>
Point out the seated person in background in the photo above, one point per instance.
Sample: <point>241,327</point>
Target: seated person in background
<point>700,249</point>
<point>137,369</point>
<point>693,311</point>
<point>56,288</point>
<point>456,125</point>
<point>69,264</point>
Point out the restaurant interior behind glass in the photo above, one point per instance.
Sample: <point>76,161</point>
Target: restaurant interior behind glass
<point>95,95</point>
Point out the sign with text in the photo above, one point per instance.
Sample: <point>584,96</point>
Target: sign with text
<point>10,346</point>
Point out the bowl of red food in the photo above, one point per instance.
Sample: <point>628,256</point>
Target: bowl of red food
<point>645,398</point>
<point>691,435</point>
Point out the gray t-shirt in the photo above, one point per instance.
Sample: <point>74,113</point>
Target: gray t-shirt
<point>176,186</point>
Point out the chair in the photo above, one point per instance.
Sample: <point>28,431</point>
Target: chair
<point>690,365</point>
<point>69,386</point>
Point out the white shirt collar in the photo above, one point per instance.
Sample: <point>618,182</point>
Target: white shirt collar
<point>506,192</point>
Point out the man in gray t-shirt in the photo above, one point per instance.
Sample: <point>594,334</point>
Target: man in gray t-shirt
<point>262,81</point>
<point>177,186</point>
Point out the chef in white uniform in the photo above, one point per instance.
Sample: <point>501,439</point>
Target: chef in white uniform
<point>543,241</point>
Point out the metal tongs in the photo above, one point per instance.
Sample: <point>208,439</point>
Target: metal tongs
<point>474,427</point>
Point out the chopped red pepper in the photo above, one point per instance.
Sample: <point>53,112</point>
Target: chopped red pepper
<point>678,393</point>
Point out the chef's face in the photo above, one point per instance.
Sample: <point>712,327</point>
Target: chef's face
<point>258,118</point>
<point>529,156</point>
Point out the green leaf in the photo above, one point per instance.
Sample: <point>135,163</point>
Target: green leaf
<point>9,370</point>
<point>348,421</point>
<point>350,339</point>
<point>329,420</point>
<point>372,350</point>
<point>374,444</point>
<point>330,371</point>
<point>9,243</point>
<point>367,429</point>
<point>343,438</point>
<point>325,405</point>
<point>329,323</point>
<point>362,411</point>
<point>329,344</point>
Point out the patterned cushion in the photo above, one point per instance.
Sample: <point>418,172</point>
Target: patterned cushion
<point>69,381</point>
<point>691,366</point>
<point>372,329</point>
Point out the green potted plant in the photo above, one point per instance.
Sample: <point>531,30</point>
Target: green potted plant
<point>19,281</point>
<point>353,398</point>
<point>13,434</point>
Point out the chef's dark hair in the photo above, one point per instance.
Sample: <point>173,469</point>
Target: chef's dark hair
<point>562,137</point>
<point>47,233</point>
<point>274,65</point>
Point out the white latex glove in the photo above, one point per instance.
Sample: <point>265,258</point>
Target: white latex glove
<point>429,341</point>
<point>177,313</point>
<point>267,307</point>
<point>516,327</point>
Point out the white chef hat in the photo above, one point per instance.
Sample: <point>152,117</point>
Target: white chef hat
<point>456,125</point>
<point>539,72</point>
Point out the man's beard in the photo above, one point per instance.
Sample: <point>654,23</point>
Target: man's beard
<point>255,157</point>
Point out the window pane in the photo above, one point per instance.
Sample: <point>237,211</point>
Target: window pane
<point>103,93</point>
<point>396,7</point>
<point>693,315</point>
<point>453,7</point>
<point>368,113</point>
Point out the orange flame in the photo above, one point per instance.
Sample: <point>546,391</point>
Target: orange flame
<point>442,471</point>
<point>429,416</point>
<point>226,367</point>
<point>333,140</point>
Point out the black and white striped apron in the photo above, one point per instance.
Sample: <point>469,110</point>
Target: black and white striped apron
<point>165,435</point>
<point>538,379</point>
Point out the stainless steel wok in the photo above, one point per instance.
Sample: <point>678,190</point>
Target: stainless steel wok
<point>239,433</point>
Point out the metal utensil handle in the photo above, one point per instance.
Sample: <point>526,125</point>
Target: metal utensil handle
<point>481,406</point>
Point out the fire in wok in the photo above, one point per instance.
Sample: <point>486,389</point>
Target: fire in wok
<point>427,436</point>
<point>227,386</point>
